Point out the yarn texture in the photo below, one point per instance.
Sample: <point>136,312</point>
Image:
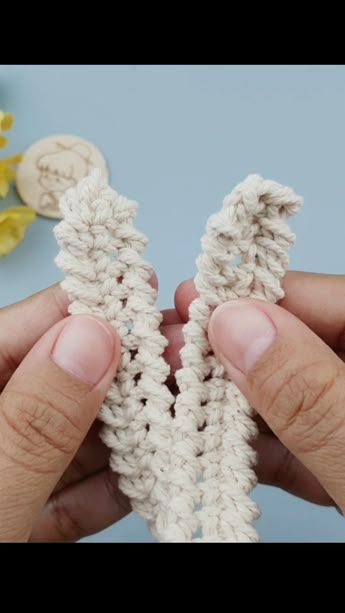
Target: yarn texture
<point>186,464</point>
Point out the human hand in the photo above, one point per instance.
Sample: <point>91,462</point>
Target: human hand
<point>54,374</point>
<point>288,360</point>
<point>81,492</point>
<point>55,484</point>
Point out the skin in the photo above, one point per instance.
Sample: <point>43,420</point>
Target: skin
<point>54,480</point>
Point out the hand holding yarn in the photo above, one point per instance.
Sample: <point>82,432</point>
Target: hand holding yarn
<point>174,457</point>
<point>55,370</point>
<point>42,499</point>
<point>288,360</point>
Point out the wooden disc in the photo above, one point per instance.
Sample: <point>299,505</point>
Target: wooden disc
<point>52,165</point>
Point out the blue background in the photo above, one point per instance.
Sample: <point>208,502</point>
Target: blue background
<point>177,139</point>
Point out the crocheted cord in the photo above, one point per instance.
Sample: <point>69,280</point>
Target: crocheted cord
<point>211,459</point>
<point>188,471</point>
<point>106,276</point>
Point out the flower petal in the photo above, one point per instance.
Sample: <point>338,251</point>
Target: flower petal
<point>11,159</point>
<point>10,237</point>
<point>21,215</point>
<point>4,187</point>
<point>13,224</point>
<point>6,121</point>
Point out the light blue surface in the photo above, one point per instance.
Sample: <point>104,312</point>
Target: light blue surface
<point>178,139</point>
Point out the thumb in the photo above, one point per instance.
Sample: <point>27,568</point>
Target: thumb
<point>46,410</point>
<point>292,378</point>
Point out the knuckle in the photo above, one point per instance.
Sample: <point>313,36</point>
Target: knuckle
<point>302,402</point>
<point>67,527</point>
<point>38,427</point>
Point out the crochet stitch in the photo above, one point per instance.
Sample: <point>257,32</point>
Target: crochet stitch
<point>186,466</point>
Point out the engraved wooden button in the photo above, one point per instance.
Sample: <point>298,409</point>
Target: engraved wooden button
<point>51,166</point>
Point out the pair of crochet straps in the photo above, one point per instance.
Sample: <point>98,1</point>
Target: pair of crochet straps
<point>185,462</point>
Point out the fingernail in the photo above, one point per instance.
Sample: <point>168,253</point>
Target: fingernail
<point>240,333</point>
<point>85,348</point>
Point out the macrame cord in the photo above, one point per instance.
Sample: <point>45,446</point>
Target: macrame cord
<point>186,464</point>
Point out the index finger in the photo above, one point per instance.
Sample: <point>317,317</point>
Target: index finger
<point>23,323</point>
<point>316,299</point>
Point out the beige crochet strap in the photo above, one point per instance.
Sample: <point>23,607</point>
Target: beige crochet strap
<point>106,276</point>
<point>211,467</point>
<point>187,468</point>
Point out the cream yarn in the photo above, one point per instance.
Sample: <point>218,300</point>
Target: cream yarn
<point>186,465</point>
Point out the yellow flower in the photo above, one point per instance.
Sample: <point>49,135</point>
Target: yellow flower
<point>7,172</point>
<point>13,221</point>
<point>13,225</point>
<point>6,120</point>
<point>6,123</point>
